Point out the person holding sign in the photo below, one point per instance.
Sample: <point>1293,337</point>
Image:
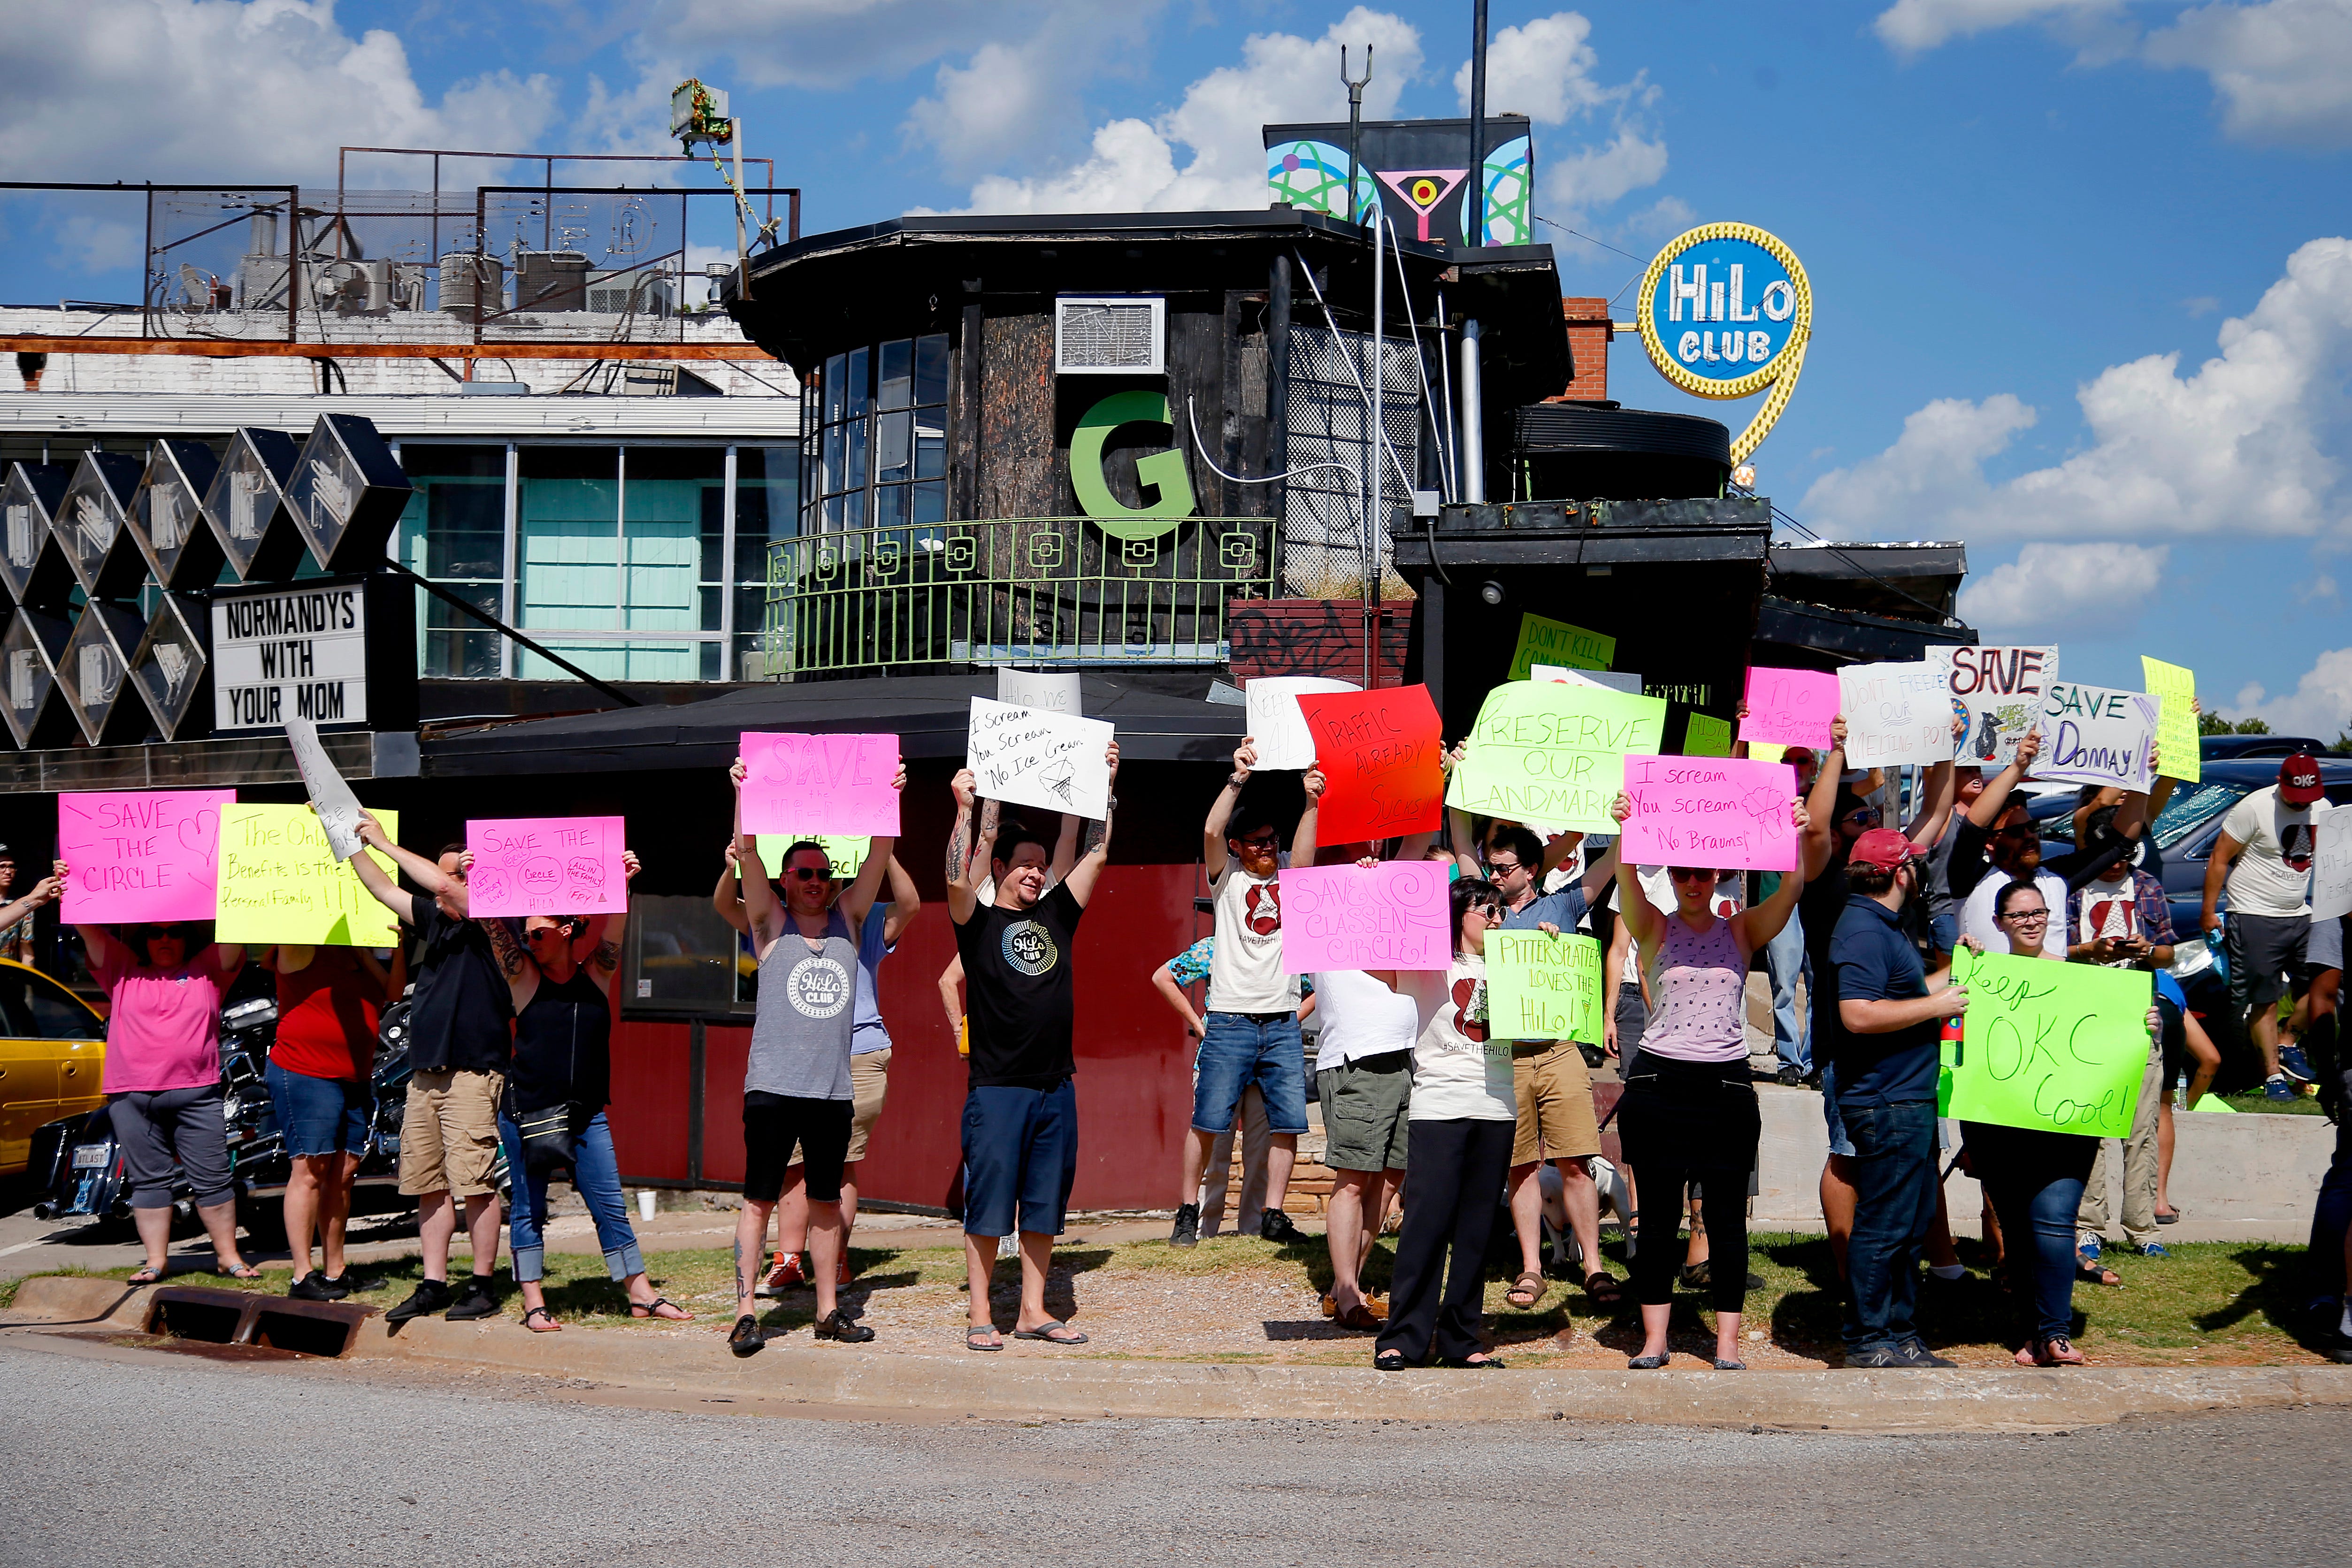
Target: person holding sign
<point>1251,1034</point>
<point>330,1003</point>
<point>2035,1176</point>
<point>1463,1118</point>
<point>1021,1112</point>
<point>796,1080</point>
<point>164,985</point>
<point>1689,1113</point>
<point>16,914</point>
<point>460,1045</point>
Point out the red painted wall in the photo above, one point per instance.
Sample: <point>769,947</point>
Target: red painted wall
<point>1135,1085</point>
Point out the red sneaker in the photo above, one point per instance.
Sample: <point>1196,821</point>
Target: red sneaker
<point>786,1273</point>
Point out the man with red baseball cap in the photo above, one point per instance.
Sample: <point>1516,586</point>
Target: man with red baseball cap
<point>2263,857</point>
<point>1885,1085</point>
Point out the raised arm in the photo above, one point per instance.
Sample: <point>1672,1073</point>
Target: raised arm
<point>726,898</point>
<point>1598,874</point>
<point>905,902</point>
<point>1934,813</point>
<point>857,898</point>
<point>594,936</point>
<point>45,890</point>
<point>1760,923</point>
<point>1987,809</point>
<point>971,839</point>
<point>1633,910</point>
<point>426,874</point>
<point>518,966</point>
<point>1302,842</point>
<point>1095,851</point>
<point>765,921</point>
<point>1221,810</point>
<point>1066,850</point>
<point>1821,805</point>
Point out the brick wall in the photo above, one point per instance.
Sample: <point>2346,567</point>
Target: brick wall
<point>1315,637</point>
<point>1589,335</point>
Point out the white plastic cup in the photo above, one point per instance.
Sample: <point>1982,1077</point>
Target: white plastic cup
<point>646,1197</point>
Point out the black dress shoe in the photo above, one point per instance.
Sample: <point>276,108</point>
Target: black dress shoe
<point>477,1300</point>
<point>315,1287</point>
<point>1275,1226</point>
<point>350,1284</point>
<point>746,1338</point>
<point>839,1324</point>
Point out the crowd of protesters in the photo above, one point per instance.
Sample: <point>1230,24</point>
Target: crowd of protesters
<point>1431,1123</point>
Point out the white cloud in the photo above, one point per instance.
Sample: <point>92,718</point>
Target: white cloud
<point>1542,69</point>
<point>1132,166</point>
<point>1913,26</point>
<point>2073,588</point>
<point>2320,704</point>
<point>1012,99</point>
<point>828,44</point>
<point>1596,176</point>
<point>207,90</point>
<point>2282,71</point>
<point>2250,443</point>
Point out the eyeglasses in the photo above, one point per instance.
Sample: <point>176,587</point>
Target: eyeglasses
<point>1862,814</point>
<point>2027,916</point>
<point>811,873</point>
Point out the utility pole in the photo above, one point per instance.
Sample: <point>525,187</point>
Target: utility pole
<point>1477,193</point>
<point>1355,86</point>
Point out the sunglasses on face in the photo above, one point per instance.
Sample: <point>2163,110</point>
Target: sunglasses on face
<point>1862,814</point>
<point>811,873</point>
<point>1503,868</point>
<point>1488,911</point>
<point>166,934</point>
<point>2017,835</point>
<point>1258,842</point>
<point>537,932</point>
<point>1682,873</point>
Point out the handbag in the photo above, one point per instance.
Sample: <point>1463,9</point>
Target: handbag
<point>547,1136</point>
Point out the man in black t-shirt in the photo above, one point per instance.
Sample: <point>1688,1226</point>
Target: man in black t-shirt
<point>460,1043</point>
<point>1021,1113</point>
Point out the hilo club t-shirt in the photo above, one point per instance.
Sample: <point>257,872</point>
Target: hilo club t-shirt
<point>806,1013</point>
<point>1019,997</point>
<point>1245,973</point>
<point>2273,877</point>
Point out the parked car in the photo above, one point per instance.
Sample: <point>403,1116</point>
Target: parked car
<point>52,1057</point>
<point>2237,747</point>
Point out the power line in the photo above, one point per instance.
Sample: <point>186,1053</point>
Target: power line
<point>1590,240</point>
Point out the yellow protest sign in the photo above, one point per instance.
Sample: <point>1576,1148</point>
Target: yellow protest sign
<point>848,854</point>
<point>1541,986</point>
<point>2175,689</point>
<point>279,882</point>
<point>1546,641</point>
<point>1553,756</point>
<point>1704,735</point>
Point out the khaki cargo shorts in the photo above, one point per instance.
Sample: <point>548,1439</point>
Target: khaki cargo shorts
<point>1555,1093</point>
<point>450,1133</point>
<point>870,1085</point>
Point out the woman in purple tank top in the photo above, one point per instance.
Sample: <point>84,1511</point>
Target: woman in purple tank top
<point>1689,1112</point>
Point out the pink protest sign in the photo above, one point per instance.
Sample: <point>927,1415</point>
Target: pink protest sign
<point>1789,708</point>
<point>830,784</point>
<point>1394,915</point>
<point>547,865</point>
<point>1723,812</point>
<point>140,855</point>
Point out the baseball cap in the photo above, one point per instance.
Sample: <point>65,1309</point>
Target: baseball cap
<point>1882,847</point>
<point>2298,782</point>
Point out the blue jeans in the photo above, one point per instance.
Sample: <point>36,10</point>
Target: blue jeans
<point>1893,1166</point>
<point>1784,960</point>
<point>1238,1050</point>
<point>2035,1181</point>
<point>596,1176</point>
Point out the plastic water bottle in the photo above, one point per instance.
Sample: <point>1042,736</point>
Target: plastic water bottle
<point>2216,948</point>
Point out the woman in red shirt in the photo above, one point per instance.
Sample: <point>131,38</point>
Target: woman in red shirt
<point>330,1002</point>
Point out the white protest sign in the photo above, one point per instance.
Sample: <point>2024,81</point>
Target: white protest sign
<point>339,809</point>
<point>2091,735</point>
<point>1895,714</point>
<point>1046,691</point>
<point>1610,680</point>
<point>1024,757</point>
<point>2000,691</point>
<point>1275,722</point>
<point>2331,863</point>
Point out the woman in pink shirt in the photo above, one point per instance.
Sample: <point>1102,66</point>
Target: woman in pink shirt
<point>162,1076</point>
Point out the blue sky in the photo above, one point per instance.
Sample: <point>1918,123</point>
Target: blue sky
<point>2029,224</point>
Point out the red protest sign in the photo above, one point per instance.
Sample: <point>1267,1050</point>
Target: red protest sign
<point>1379,751</point>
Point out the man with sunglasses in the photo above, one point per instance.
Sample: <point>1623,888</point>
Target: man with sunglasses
<point>1999,829</point>
<point>460,1045</point>
<point>1250,1036</point>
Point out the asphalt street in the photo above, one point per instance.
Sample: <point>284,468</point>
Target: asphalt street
<point>118,1454</point>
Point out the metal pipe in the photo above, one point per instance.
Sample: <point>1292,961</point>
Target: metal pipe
<point>1473,434</point>
<point>492,622</point>
<point>1447,435</point>
<point>1478,191</point>
<point>1277,380</point>
<point>1375,407</point>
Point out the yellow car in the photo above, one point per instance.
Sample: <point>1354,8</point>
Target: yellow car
<point>52,1057</point>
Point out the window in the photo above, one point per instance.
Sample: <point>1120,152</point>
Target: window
<point>878,446</point>
<point>767,509</point>
<point>33,1007</point>
<point>683,958</point>
<point>454,533</point>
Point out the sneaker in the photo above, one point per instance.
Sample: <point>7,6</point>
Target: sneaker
<point>2295,1064</point>
<point>1275,1226</point>
<point>2087,1250</point>
<point>430,1296</point>
<point>1187,1230</point>
<point>746,1337</point>
<point>1915,1352</point>
<point>477,1300</point>
<point>313,1287</point>
<point>1877,1358</point>
<point>839,1324</point>
<point>2153,1250</point>
<point>1789,1078</point>
<point>350,1284</point>
<point>2275,1087</point>
<point>784,1274</point>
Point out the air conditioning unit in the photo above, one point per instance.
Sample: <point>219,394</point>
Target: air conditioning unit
<point>1110,335</point>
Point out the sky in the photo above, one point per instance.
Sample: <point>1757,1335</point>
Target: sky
<point>2083,268</point>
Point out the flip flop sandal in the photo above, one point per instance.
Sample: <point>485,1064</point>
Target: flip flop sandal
<point>553,1326</point>
<point>653,1310</point>
<point>1330,1306</point>
<point>2098,1274</point>
<point>972,1340</point>
<point>242,1272</point>
<point>2171,1218</point>
<point>148,1276</point>
<point>1045,1332</point>
<point>1604,1288</point>
<point>1530,1285</point>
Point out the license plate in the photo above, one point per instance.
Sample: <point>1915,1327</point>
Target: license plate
<point>91,1156</point>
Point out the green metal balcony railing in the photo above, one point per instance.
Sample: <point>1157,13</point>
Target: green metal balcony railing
<point>1000,591</point>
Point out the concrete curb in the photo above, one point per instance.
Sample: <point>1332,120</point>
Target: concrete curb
<point>1035,1386</point>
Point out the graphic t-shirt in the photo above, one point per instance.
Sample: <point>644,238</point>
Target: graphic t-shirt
<point>1245,972</point>
<point>2133,906</point>
<point>163,1029</point>
<point>2273,877</point>
<point>1018,990</point>
<point>1459,1071</point>
<point>807,1010</point>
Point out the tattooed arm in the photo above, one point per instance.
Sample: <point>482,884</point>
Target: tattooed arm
<point>516,964</point>
<point>1095,851</point>
<point>967,847</point>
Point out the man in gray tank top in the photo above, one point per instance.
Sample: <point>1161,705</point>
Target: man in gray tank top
<point>796,1082</point>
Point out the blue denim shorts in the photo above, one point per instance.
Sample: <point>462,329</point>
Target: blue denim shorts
<point>1020,1158</point>
<point>1238,1050</point>
<point>319,1115</point>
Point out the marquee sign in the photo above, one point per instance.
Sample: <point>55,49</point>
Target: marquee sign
<point>1726,312</point>
<point>294,649</point>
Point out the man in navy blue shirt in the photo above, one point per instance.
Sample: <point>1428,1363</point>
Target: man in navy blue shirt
<point>1886,1061</point>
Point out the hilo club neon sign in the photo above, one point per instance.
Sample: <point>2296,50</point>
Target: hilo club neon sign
<point>1726,312</point>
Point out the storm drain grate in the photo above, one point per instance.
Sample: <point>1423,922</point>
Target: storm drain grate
<point>240,1317</point>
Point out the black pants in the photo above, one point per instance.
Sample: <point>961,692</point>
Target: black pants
<point>1681,1122</point>
<point>1453,1184</point>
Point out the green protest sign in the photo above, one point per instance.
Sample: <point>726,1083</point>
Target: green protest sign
<point>2057,1046</point>
<point>1543,642</point>
<point>848,854</point>
<point>1543,987</point>
<point>1553,756</point>
<point>1704,735</point>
